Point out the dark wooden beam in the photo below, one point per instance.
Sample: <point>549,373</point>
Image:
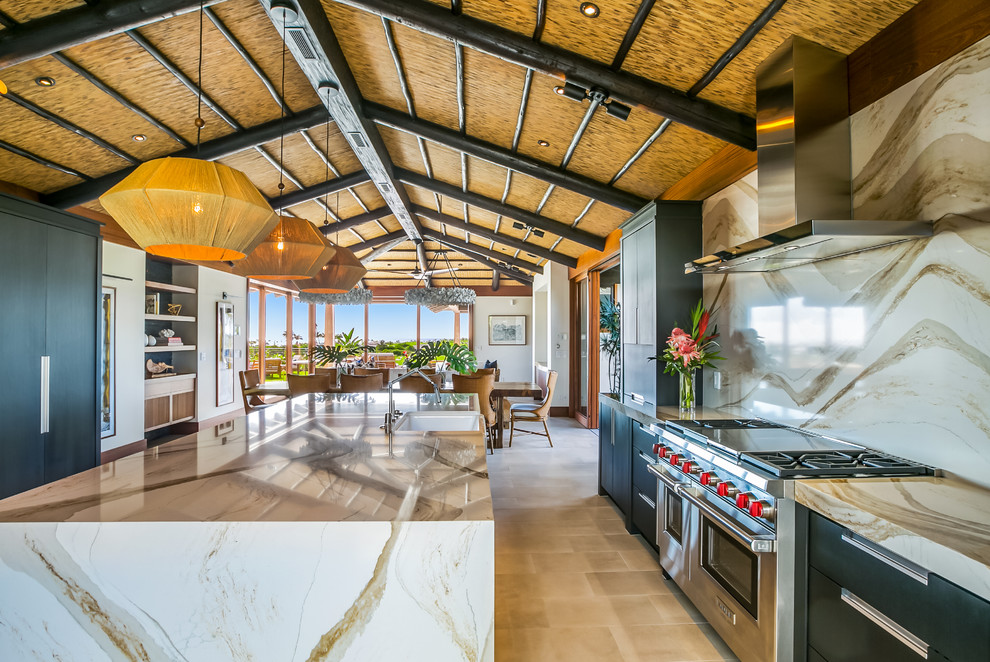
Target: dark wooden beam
<point>14,149</point>
<point>210,150</point>
<point>511,242</point>
<point>736,48</point>
<point>494,206</point>
<point>645,7</point>
<point>319,190</point>
<point>67,125</point>
<point>467,247</point>
<point>356,221</point>
<point>505,158</point>
<point>515,274</point>
<point>316,50</point>
<point>64,29</point>
<point>378,241</point>
<point>513,47</point>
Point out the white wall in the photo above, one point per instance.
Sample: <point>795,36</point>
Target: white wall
<point>552,306</point>
<point>210,288</point>
<point>514,361</point>
<point>129,329</point>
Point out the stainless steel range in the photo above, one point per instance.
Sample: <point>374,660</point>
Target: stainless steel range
<point>727,530</point>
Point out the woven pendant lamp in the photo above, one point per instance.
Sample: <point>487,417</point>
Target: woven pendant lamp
<point>190,209</point>
<point>338,275</point>
<point>295,249</point>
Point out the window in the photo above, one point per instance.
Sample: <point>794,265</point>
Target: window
<point>392,323</point>
<point>436,326</point>
<point>346,318</point>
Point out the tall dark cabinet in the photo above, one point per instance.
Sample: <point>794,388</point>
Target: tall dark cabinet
<point>656,293</point>
<point>49,325</point>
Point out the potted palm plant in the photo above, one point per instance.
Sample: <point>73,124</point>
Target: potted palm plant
<point>610,340</point>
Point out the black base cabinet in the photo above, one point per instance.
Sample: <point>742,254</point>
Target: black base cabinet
<point>49,321</point>
<point>865,604</point>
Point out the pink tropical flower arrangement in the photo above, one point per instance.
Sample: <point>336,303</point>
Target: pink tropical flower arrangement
<point>685,351</point>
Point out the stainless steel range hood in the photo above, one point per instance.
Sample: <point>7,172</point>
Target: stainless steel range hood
<point>803,154</point>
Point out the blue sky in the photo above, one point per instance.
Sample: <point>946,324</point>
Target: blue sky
<point>389,321</point>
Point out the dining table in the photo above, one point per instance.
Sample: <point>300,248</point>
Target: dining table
<point>500,391</point>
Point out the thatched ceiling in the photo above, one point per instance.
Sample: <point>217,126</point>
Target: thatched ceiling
<point>416,74</point>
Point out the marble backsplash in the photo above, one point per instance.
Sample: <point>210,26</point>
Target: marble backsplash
<point>887,348</point>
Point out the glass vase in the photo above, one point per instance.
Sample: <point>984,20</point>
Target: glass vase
<point>686,393</point>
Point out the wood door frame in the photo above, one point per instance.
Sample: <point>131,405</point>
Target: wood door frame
<point>589,420</point>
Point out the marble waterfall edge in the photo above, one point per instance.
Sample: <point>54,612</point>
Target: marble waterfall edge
<point>207,591</point>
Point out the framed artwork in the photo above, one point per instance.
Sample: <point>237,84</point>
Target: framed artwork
<point>108,362</point>
<point>225,353</point>
<point>506,329</point>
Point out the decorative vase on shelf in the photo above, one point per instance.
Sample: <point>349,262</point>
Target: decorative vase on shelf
<point>686,393</point>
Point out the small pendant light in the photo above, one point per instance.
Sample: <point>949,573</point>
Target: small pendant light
<point>295,249</point>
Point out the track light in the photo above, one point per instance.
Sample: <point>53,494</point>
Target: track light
<point>616,109</point>
<point>571,91</point>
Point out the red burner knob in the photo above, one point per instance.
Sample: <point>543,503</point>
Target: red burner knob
<point>761,509</point>
<point>656,449</point>
<point>663,452</point>
<point>707,478</point>
<point>727,490</point>
<point>675,459</point>
<point>742,500</point>
<point>690,468</point>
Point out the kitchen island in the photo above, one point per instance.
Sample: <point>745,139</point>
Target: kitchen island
<point>287,534</point>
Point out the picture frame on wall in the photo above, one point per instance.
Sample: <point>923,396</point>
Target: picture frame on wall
<point>506,329</point>
<point>225,353</point>
<point>108,362</point>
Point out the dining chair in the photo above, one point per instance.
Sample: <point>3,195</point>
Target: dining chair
<point>534,411</point>
<point>299,384</point>
<point>419,385</point>
<point>330,372</point>
<point>482,385</point>
<point>361,383</point>
<point>373,371</point>
<point>273,367</point>
<point>252,379</point>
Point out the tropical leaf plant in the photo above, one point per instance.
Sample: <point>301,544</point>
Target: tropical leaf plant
<point>610,339</point>
<point>457,356</point>
<point>345,346</point>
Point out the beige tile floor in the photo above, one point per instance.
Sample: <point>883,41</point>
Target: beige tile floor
<point>570,583</point>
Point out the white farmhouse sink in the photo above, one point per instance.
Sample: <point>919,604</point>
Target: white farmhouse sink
<point>439,421</point>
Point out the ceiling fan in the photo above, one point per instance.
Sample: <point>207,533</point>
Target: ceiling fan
<point>418,273</point>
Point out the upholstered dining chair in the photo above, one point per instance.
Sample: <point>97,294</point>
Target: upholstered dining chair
<point>330,372</point>
<point>372,371</point>
<point>252,379</point>
<point>361,383</point>
<point>482,385</point>
<point>488,371</point>
<point>299,384</point>
<point>534,411</point>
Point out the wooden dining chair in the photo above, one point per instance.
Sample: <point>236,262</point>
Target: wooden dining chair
<point>373,371</point>
<point>252,379</point>
<point>330,372</point>
<point>482,385</point>
<point>361,383</point>
<point>534,411</point>
<point>418,384</point>
<point>300,384</point>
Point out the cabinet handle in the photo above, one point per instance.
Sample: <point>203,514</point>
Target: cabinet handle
<point>636,397</point>
<point>45,393</point>
<point>885,559</point>
<point>648,500</point>
<point>646,430</point>
<point>648,459</point>
<point>883,621</point>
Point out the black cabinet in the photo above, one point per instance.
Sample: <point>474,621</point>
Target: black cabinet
<point>886,607</point>
<point>644,483</point>
<point>656,293</point>
<point>615,459</point>
<point>50,268</point>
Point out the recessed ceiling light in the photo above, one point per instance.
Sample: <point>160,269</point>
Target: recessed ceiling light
<point>558,89</point>
<point>542,143</point>
<point>590,9</point>
<point>45,81</point>
<point>139,137</point>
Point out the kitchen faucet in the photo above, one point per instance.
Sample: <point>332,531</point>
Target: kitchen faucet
<point>394,413</point>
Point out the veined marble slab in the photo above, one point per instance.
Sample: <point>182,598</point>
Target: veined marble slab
<point>941,524</point>
<point>289,534</point>
<point>315,457</point>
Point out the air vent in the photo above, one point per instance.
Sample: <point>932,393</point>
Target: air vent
<point>358,139</point>
<point>299,38</point>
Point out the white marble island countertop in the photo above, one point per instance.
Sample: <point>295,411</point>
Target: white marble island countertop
<point>941,524</point>
<point>313,458</point>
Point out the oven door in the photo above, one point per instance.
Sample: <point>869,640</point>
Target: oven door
<point>732,568</point>
<point>672,524</point>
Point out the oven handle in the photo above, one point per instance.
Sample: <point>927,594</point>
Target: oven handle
<point>658,470</point>
<point>759,543</point>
